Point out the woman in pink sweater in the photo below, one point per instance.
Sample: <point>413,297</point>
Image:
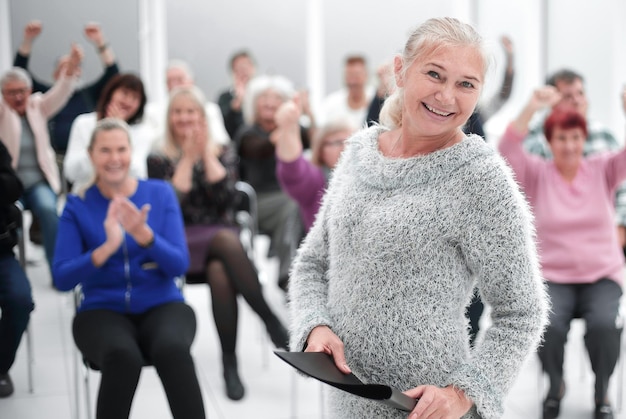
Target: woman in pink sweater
<point>572,200</point>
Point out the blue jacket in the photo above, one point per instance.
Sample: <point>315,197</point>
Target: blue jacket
<point>134,279</point>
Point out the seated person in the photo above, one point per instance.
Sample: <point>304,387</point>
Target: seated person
<point>572,200</point>
<point>179,74</point>
<point>278,214</point>
<point>84,99</point>
<point>122,240</point>
<point>305,180</point>
<point>203,174</point>
<point>16,301</point>
<point>24,131</point>
<point>124,97</point>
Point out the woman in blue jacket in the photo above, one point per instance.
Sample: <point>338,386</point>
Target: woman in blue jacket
<point>123,242</point>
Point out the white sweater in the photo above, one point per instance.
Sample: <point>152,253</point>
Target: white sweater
<point>391,262</point>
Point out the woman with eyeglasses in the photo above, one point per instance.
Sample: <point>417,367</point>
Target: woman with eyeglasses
<point>302,179</point>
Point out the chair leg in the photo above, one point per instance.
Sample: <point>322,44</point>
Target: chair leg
<point>30,360</point>
<point>87,392</point>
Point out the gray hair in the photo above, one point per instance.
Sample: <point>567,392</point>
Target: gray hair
<point>183,65</point>
<point>16,74</point>
<point>433,34</point>
<point>262,84</point>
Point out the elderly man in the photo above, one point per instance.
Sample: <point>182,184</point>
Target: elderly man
<point>242,69</point>
<point>24,132</point>
<point>179,74</point>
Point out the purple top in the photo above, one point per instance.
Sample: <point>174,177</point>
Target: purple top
<point>305,183</point>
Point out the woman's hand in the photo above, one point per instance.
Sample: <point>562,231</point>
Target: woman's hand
<point>195,142</point>
<point>322,339</point>
<point>133,219</point>
<point>113,229</point>
<point>438,403</point>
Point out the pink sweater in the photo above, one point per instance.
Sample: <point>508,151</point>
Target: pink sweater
<point>576,231</point>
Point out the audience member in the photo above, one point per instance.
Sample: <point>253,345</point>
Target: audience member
<point>179,74</point>
<point>84,99</point>
<point>302,179</point>
<point>278,215</point>
<point>23,118</point>
<point>353,100</point>
<point>572,200</point>
<point>570,85</point>
<point>416,214</point>
<point>123,97</point>
<point>242,70</point>
<point>122,240</point>
<point>16,301</point>
<point>203,174</point>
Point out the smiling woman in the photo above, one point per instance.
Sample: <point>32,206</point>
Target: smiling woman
<point>124,98</point>
<point>415,216</point>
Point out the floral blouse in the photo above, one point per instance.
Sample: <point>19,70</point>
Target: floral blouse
<point>205,203</point>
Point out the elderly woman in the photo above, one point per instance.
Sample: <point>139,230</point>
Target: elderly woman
<point>203,175</point>
<point>122,240</point>
<point>572,198</point>
<point>302,179</point>
<point>123,97</point>
<point>24,131</point>
<point>278,214</point>
<point>416,215</point>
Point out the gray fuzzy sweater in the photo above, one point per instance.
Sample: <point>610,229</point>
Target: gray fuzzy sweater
<point>391,262</point>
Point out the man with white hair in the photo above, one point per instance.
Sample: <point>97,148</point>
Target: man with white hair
<point>179,74</point>
<point>24,132</point>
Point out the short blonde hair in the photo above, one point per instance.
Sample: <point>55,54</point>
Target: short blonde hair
<point>330,128</point>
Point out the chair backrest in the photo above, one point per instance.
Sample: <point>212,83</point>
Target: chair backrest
<point>246,215</point>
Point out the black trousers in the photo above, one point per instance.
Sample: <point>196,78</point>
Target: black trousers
<point>119,345</point>
<point>598,305</point>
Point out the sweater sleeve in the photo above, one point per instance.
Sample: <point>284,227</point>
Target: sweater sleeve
<point>308,283</point>
<point>524,165</point>
<point>616,168</point>
<point>170,247</point>
<point>93,91</point>
<point>301,180</point>
<point>498,242</point>
<point>72,261</point>
<point>54,99</point>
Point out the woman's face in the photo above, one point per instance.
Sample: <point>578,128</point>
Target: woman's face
<point>441,90</point>
<point>266,105</point>
<point>567,147</point>
<point>184,116</point>
<point>110,155</point>
<point>124,103</point>
<point>332,146</point>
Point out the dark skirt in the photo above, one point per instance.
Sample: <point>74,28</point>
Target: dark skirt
<point>199,238</point>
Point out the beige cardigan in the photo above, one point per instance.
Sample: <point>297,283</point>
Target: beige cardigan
<point>39,109</point>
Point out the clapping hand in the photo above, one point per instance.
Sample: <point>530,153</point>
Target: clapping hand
<point>74,61</point>
<point>93,32</point>
<point>196,141</point>
<point>131,218</point>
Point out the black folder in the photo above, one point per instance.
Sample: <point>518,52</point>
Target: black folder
<point>322,367</point>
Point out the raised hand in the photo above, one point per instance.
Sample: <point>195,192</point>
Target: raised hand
<point>32,30</point>
<point>543,97</point>
<point>94,34</point>
<point>74,60</point>
<point>288,114</point>
<point>507,44</point>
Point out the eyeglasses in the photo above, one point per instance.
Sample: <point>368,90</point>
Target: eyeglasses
<point>23,91</point>
<point>335,143</point>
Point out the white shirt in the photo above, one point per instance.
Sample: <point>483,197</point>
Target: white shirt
<point>77,167</point>
<point>335,106</point>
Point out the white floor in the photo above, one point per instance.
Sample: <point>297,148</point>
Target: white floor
<point>273,390</point>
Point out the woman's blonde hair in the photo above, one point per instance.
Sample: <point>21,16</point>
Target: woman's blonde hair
<point>103,125</point>
<point>323,132</point>
<point>433,34</point>
<point>170,147</point>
